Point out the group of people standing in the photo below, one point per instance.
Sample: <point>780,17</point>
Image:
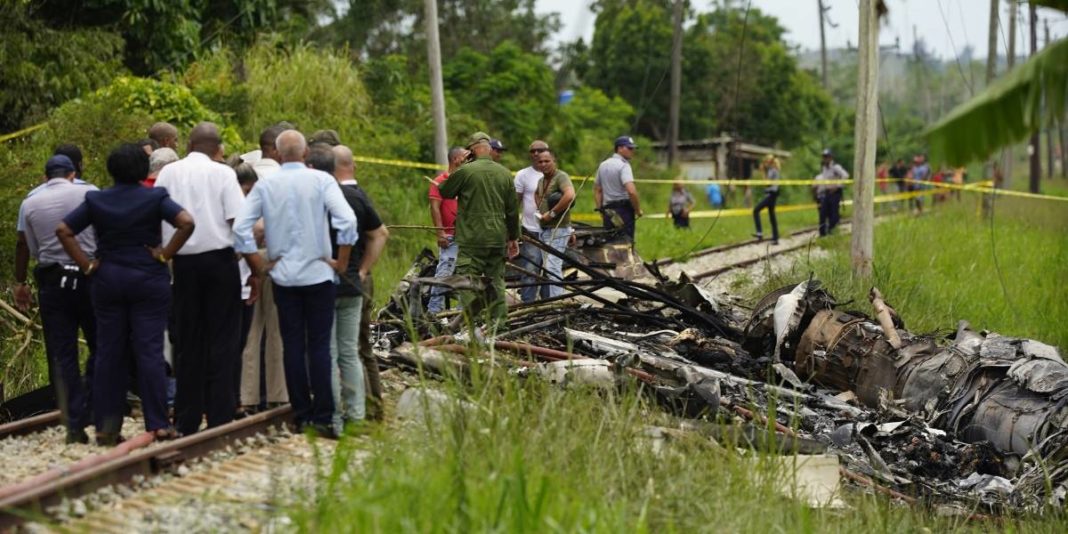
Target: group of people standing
<point>480,212</point>
<point>176,245</point>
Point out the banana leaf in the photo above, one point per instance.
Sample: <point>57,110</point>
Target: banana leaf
<point>1021,102</point>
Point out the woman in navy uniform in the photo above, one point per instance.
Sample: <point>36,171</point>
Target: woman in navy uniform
<point>131,288</point>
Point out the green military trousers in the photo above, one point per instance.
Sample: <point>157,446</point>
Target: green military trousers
<point>486,263</point>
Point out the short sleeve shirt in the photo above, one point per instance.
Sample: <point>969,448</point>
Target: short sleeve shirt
<point>210,192</point>
<point>558,182</point>
<point>448,205</point>
<point>612,176</point>
<point>44,211</point>
<point>526,184</point>
<point>127,219</point>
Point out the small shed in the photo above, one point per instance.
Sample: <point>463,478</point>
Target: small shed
<point>718,158</point>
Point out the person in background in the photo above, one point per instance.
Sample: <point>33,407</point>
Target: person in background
<point>526,185</point>
<point>165,135</point>
<point>267,162</point>
<point>497,150</point>
<point>330,138</point>
<point>130,288</point>
<point>921,172</point>
<point>555,196</point>
<point>298,205</point>
<point>149,145</point>
<point>679,205</point>
<point>882,172</point>
<point>715,196</point>
<point>614,191</point>
<point>487,230</point>
<point>829,196</point>
<point>62,291</point>
<point>443,217</point>
<point>246,179</point>
<point>372,240</point>
<point>156,162</point>
<point>207,284</point>
<point>770,166</point>
<point>899,171</point>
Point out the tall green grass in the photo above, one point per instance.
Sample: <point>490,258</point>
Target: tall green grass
<point>529,457</point>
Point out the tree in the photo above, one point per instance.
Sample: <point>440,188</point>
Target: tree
<point>42,67</point>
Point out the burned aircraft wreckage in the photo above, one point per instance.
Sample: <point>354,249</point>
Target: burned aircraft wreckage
<point>970,420</point>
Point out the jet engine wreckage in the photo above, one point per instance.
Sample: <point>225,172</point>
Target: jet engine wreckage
<point>969,421</point>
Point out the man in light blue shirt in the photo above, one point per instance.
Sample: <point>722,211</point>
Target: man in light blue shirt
<point>295,203</point>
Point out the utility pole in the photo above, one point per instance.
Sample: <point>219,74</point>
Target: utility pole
<point>823,45</point>
<point>1010,60</point>
<point>676,83</point>
<point>992,43</point>
<point>437,87</point>
<point>865,137</point>
<point>1032,150</point>
<point>992,64</point>
<point>1049,130</point>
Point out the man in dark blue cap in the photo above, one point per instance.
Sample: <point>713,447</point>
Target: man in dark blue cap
<point>614,192</point>
<point>62,289</point>
<point>496,150</point>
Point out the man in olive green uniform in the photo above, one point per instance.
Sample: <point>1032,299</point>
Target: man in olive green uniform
<point>487,227</point>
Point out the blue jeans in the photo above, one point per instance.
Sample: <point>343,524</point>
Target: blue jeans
<point>529,259</point>
<point>346,371</point>
<point>305,319</point>
<point>446,266</point>
<point>546,265</point>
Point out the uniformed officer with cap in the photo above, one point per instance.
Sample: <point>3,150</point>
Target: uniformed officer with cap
<point>487,230</point>
<point>497,149</point>
<point>62,290</point>
<point>614,192</point>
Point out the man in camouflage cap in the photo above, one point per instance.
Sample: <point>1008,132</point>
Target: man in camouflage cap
<point>487,231</point>
<point>326,137</point>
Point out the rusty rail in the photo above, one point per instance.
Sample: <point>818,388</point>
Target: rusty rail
<point>111,468</point>
<point>30,425</point>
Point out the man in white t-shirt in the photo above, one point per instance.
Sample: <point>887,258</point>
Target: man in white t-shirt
<point>526,183</point>
<point>207,286</point>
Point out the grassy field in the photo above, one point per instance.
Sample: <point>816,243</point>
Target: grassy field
<point>525,457</point>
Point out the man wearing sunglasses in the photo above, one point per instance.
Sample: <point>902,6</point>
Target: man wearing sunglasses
<point>526,184</point>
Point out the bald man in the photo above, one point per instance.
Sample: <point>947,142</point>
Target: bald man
<point>297,205</point>
<point>207,285</point>
<point>164,134</point>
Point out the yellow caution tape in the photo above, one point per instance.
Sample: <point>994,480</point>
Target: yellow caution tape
<point>748,212</point>
<point>397,163</point>
<point>7,137</point>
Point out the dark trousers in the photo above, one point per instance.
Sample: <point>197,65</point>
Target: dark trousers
<point>131,313</point>
<point>830,203</point>
<point>63,311</point>
<point>367,356</point>
<point>770,197</point>
<point>207,309</point>
<point>625,210</point>
<point>305,319</point>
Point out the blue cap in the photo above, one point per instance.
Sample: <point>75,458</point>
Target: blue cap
<point>59,162</point>
<point>497,145</point>
<point>625,140</point>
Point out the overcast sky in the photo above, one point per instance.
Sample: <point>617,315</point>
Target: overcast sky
<point>967,22</point>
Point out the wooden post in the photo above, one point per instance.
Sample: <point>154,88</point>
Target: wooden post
<point>1049,130</point>
<point>437,87</point>
<point>865,137</point>
<point>992,66</point>
<point>676,83</point>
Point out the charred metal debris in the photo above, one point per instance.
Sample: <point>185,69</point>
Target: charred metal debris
<point>971,422</point>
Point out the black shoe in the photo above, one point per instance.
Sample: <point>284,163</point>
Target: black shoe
<point>319,430</point>
<point>774,241</point>
<point>759,237</point>
<point>77,435</point>
<point>109,439</point>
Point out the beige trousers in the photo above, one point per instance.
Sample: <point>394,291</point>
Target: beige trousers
<point>264,327</point>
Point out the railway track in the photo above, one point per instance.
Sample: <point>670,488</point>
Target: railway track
<point>128,464</point>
